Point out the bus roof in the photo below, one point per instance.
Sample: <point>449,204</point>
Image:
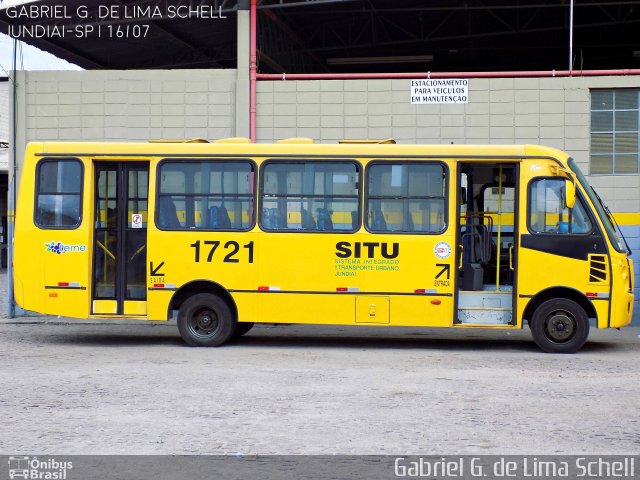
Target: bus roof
<point>181,148</point>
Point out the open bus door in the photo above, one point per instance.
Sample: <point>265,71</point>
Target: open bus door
<point>487,244</point>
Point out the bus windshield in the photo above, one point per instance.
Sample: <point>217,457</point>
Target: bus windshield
<point>603,212</point>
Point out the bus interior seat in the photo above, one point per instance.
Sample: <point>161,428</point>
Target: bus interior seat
<point>378,223</point>
<point>219,217</point>
<point>477,248</point>
<point>354,220</point>
<point>324,219</point>
<point>167,213</point>
<point>271,218</point>
<point>408,223</point>
<point>307,221</point>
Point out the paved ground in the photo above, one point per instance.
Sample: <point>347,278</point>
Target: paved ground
<point>83,388</point>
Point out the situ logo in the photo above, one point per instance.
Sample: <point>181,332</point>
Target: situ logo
<point>34,469</point>
<point>59,247</point>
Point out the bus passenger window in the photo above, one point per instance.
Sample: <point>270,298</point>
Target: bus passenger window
<point>310,196</point>
<point>407,197</point>
<point>58,193</point>
<point>206,195</point>
<point>547,213</point>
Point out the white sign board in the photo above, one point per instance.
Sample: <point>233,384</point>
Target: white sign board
<point>136,220</point>
<point>440,90</point>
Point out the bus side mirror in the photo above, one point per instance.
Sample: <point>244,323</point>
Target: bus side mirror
<point>569,193</point>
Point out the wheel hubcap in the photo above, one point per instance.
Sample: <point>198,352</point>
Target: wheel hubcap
<point>203,323</point>
<point>560,326</point>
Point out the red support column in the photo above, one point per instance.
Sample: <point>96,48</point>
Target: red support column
<point>252,69</point>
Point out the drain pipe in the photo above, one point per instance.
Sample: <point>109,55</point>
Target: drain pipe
<point>252,68</point>
<point>571,36</point>
<point>11,313</point>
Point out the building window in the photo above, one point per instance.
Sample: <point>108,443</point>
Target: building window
<point>310,196</point>
<point>614,131</point>
<point>406,197</point>
<point>205,195</point>
<point>59,194</point>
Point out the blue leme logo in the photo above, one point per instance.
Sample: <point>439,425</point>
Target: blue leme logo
<point>59,247</point>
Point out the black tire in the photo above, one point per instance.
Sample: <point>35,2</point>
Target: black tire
<point>205,320</point>
<point>242,328</point>
<point>559,325</point>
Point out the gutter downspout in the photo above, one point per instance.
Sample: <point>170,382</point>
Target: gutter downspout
<point>571,37</point>
<point>252,69</point>
<point>12,182</point>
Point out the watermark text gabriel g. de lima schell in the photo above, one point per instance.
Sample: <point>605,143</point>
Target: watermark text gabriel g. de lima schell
<point>32,468</point>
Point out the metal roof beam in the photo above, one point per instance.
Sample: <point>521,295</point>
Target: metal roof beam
<point>301,4</point>
<point>476,35</point>
<point>179,39</point>
<point>296,38</point>
<point>448,8</point>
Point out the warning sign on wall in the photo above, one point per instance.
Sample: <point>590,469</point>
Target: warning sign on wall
<point>440,90</point>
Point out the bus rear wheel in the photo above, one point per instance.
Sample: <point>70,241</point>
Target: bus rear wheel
<point>205,320</point>
<point>560,325</point>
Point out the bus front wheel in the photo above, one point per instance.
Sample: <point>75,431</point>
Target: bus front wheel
<point>205,320</point>
<point>560,325</point>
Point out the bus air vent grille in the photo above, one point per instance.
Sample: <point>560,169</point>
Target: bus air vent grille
<point>598,269</point>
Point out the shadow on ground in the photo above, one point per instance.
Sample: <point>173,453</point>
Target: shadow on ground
<point>279,338</point>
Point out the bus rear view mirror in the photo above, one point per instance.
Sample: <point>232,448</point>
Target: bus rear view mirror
<point>569,193</point>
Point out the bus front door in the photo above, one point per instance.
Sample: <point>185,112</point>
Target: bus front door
<point>487,239</point>
<point>120,238</point>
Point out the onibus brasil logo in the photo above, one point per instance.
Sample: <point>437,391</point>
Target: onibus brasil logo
<point>34,469</point>
<point>59,247</point>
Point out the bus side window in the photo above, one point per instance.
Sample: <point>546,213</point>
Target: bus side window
<point>302,196</point>
<point>547,213</point>
<point>59,193</point>
<point>212,194</point>
<point>400,195</point>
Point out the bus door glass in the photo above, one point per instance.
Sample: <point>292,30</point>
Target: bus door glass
<point>120,241</point>
<point>487,243</point>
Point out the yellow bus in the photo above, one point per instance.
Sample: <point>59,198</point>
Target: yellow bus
<point>231,233</point>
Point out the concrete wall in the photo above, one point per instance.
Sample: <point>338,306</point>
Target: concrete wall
<point>128,105</point>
